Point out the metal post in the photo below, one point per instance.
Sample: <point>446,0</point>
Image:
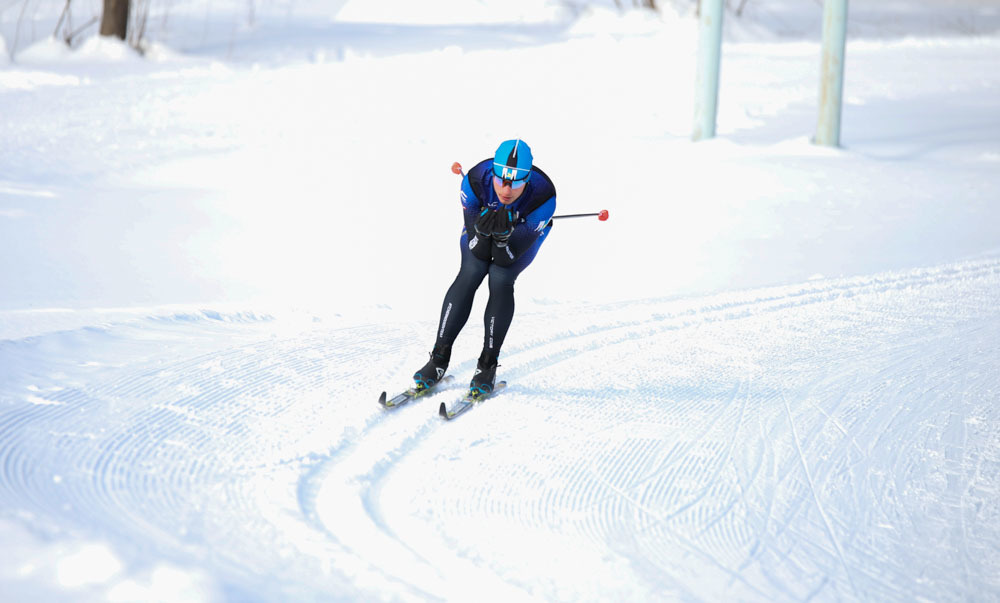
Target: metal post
<point>706,91</point>
<point>831,83</point>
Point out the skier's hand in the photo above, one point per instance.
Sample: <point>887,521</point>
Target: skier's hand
<point>484,223</point>
<point>503,226</point>
<point>480,247</point>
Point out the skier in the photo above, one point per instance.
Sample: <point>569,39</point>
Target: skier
<point>508,205</point>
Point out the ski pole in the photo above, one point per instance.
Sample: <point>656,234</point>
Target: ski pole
<point>601,215</point>
<point>456,168</point>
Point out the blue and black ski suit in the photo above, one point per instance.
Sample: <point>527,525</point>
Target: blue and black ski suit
<point>480,257</point>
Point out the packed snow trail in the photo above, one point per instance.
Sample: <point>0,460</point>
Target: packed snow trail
<point>835,439</point>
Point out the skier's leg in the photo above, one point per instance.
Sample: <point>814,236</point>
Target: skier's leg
<point>499,309</point>
<point>458,301</point>
<point>499,315</point>
<point>454,314</point>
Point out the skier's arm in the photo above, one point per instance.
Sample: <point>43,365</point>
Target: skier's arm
<point>471,207</point>
<point>524,234</point>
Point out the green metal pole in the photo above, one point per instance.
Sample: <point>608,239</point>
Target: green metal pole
<point>831,83</point>
<point>706,92</point>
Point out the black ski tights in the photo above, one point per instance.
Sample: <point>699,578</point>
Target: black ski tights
<point>458,301</point>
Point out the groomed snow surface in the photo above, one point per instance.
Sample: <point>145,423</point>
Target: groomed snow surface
<point>772,375</point>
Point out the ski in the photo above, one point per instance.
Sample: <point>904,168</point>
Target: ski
<point>470,399</point>
<point>412,394</point>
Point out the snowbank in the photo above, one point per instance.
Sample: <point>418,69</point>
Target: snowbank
<point>604,21</point>
<point>452,12</point>
<point>95,49</point>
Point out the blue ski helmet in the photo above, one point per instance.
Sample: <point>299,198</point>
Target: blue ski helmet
<point>513,161</point>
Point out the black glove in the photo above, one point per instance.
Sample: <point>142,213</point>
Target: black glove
<point>479,236</point>
<point>503,226</point>
<point>480,247</point>
<point>484,223</point>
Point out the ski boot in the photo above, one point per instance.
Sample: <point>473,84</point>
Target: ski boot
<point>434,370</point>
<point>485,376</point>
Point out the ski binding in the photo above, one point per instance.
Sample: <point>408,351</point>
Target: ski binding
<point>412,394</point>
<point>472,398</point>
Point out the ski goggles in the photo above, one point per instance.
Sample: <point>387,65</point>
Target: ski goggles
<point>504,175</point>
<point>514,184</point>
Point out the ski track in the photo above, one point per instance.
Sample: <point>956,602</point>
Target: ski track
<point>818,441</point>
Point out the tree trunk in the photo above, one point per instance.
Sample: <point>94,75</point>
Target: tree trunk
<point>114,22</point>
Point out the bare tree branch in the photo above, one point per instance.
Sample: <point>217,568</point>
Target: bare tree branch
<point>61,17</point>
<point>79,30</point>
<point>17,29</point>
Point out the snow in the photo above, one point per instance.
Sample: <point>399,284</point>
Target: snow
<point>771,375</point>
<point>451,12</point>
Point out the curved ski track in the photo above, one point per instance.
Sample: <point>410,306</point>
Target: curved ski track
<point>813,441</point>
